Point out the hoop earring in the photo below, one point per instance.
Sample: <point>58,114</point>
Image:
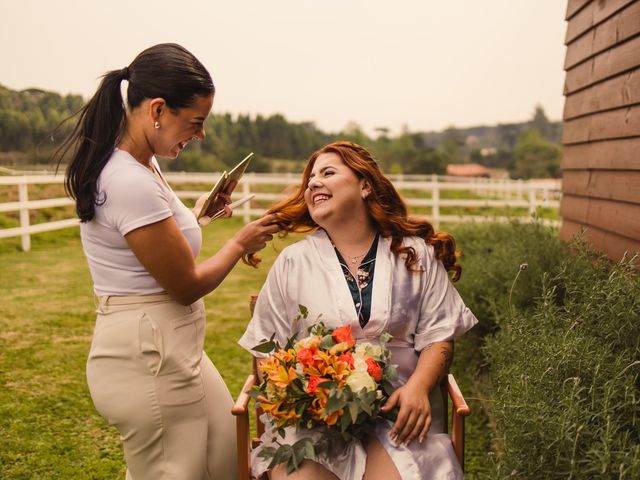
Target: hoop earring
<point>156,125</point>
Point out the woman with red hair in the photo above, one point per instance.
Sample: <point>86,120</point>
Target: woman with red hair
<point>369,265</point>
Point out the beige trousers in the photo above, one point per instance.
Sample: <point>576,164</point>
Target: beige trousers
<point>149,377</point>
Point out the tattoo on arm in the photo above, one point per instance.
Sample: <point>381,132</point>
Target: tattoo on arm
<point>447,359</point>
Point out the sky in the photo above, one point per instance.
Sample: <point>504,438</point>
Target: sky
<point>415,64</point>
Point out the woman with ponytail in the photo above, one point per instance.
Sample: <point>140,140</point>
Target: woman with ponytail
<point>368,265</point>
<point>147,372</point>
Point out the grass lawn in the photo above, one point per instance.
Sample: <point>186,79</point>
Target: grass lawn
<point>48,426</point>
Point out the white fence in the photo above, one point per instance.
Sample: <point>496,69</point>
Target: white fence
<point>495,193</point>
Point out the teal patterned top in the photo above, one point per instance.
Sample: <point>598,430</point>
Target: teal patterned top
<point>361,287</point>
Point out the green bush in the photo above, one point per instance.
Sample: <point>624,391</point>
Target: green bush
<point>564,375</point>
<point>491,257</point>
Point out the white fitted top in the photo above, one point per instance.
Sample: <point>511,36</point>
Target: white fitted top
<point>133,197</point>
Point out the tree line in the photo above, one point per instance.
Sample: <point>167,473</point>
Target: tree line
<point>31,129</point>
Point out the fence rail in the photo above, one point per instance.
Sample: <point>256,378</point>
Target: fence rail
<point>496,193</point>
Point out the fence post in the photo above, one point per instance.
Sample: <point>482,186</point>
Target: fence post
<point>435,198</point>
<point>519,188</point>
<point>246,191</point>
<point>23,197</point>
<point>532,199</point>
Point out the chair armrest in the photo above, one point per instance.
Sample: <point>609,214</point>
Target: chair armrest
<point>242,403</point>
<point>460,406</point>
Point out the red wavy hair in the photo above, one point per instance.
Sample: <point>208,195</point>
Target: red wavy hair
<point>386,208</point>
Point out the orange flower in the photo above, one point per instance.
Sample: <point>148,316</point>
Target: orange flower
<point>317,407</point>
<point>374,369</point>
<point>312,386</point>
<point>283,413</point>
<point>343,334</point>
<point>285,356</point>
<point>347,358</point>
<point>306,355</point>
<point>333,418</point>
<point>281,376</point>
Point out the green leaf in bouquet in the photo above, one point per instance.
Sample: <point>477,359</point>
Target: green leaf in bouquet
<point>266,346</point>
<point>353,410</point>
<point>282,455</point>
<point>327,342</point>
<point>365,407</point>
<point>255,392</point>
<point>345,420</point>
<point>297,388</point>
<point>291,342</point>
<point>309,450</point>
<point>267,452</point>
<point>329,384</point>
<point>385,338</point>
<point>334,404</point>
<point>388,387</point>
<point>390,372</point>
<point>302,450</point>
<point>301,407</point>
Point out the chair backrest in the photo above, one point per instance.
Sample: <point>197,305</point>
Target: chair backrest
<point>259,424</point>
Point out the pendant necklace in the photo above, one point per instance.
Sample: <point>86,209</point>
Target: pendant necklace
<point>355,258</point>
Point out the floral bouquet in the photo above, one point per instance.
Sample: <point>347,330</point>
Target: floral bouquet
<point>323,381</point>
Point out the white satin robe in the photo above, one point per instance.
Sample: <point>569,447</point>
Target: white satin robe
<point>417,308</point>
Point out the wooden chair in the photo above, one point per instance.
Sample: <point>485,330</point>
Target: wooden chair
<point>448,387</point>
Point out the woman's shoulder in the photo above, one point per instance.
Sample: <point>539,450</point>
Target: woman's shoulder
<point>123,172</point>
<point>303,248</point>
<point>422,248</point>
<point>297,249</point>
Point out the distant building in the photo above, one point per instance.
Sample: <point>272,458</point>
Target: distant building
<point>468,170</point>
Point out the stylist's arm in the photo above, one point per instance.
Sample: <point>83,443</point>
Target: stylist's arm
<point>170,261</point>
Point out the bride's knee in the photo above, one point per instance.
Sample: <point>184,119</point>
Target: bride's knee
<point>309,470</point>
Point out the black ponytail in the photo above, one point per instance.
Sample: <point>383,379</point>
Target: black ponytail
<point>100,124</point>
<point>166,71</point>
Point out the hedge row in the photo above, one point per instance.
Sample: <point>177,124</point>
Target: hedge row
<point>561,354</point>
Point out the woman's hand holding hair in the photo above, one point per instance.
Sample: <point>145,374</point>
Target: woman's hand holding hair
<point>163,251</point>
<point>255,235</point>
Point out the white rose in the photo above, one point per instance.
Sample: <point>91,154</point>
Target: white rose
<point>359,380</point>
<point>313,341</point>
<point>360,364</point>
<point>365,350</point>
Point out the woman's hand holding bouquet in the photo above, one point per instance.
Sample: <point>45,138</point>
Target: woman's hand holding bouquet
<point>323,381</point>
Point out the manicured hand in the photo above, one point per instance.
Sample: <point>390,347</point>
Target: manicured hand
<point>414,417</point>
<point>255,235</point>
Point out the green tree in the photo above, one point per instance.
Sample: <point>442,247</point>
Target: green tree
<point>535,157</point>
<point>541,123</point>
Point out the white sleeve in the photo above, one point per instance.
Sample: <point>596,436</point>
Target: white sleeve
<point>134,201</point>
<point>443,314</point>
<point>271,314</point>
